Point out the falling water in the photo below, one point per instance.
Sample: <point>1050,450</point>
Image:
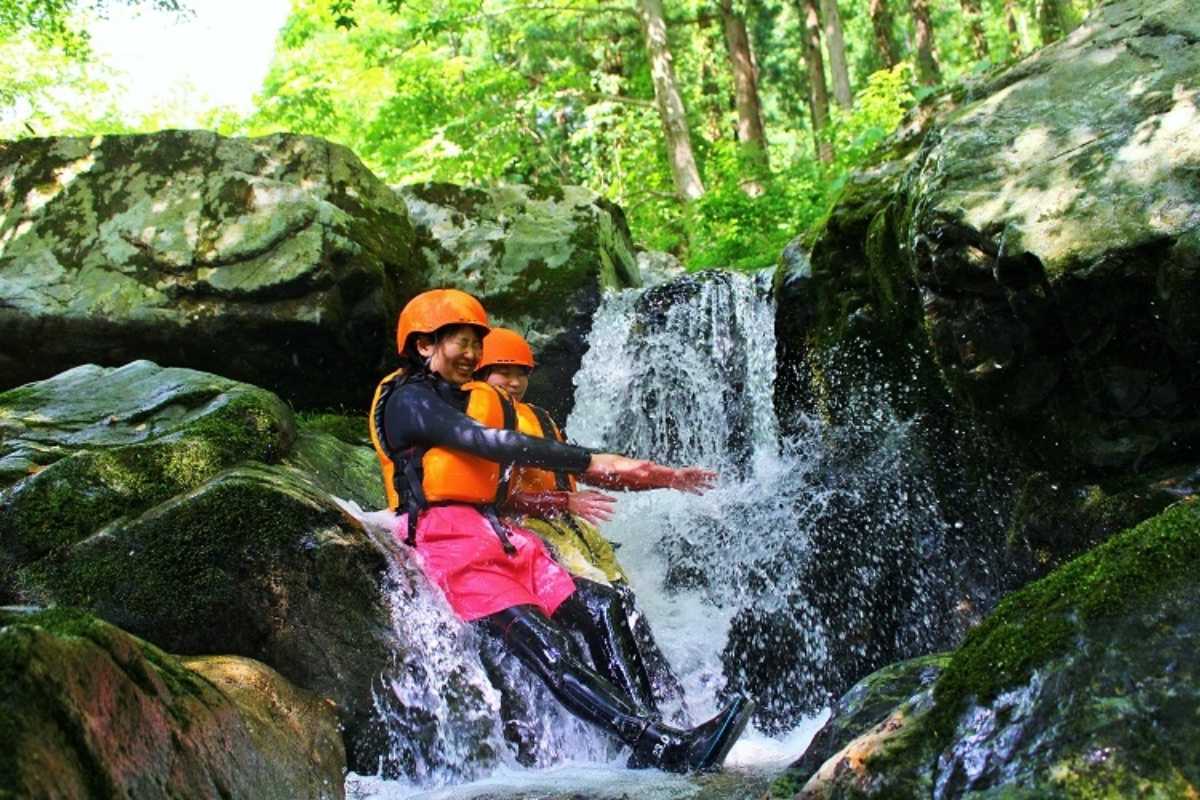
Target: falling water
<point>819,557</point>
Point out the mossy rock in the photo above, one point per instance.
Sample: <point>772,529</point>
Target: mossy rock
<point>345,471</point>
<point>871,701</point>
<point>185,508</point>
<point>1057,518</point>
<point>538,260</point>
<point>257,562</point>
<point>93,444</point>
<point>277,260</point>
<point>351,429</point>
<point>87,710</point>
<point>1033,261</point>
<point>1082,685</point>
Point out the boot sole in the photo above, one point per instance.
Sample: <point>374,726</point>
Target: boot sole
<point>728,736</point>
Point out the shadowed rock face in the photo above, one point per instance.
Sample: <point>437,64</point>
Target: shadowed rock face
<point>279,260</point>
<point>1040,249</point>
<point>538,260</point>
<point>90,711</point>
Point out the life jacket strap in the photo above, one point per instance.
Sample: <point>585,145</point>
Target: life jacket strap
<point>509,409</point>
<point>413,493</point>
<point>501,529</point>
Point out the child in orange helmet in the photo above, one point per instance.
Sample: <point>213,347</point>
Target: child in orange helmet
<point>551,506</point>
<point>445,444</point>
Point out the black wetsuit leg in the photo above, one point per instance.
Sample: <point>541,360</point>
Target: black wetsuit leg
<point>598,613</point>
<point>544,647</point>
<point>547,649</point>
<point>665,685</point>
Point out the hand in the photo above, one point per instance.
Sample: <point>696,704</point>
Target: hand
<point>617,472</point>
<point>595,507</point>
<point>693,480</point>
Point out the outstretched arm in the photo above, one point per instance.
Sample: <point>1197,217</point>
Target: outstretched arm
<point>417,415</point>
<point>618,472</point>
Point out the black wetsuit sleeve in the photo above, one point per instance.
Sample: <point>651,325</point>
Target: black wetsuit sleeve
<point>416,415</point>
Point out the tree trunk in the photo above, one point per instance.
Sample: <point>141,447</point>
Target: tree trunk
<point>818,94</point>
<point>882,25</point>
<point>974,19</point>
<point>928,72</point>
<point>750,131</point>
<point>670,104</point>
<point>1014,30</point>
<point>836,46</point>
<point>1055,19</point>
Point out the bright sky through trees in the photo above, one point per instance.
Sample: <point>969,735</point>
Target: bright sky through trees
<point>220,54</point>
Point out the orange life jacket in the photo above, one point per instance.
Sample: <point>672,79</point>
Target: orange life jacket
<point>455,476</point>
<point>536,421</point>
<point>419,476</point>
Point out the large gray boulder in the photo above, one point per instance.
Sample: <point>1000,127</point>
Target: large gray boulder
<point>537,258</point>
<point>279,260</point>
<point>1031,250</point>
<point>89,711</point>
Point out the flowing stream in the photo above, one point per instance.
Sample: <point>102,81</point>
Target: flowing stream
<point>817,559</point>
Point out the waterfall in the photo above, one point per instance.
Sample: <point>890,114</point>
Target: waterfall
<point>819,557</point>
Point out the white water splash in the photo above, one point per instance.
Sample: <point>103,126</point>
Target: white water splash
<point>696,389</point>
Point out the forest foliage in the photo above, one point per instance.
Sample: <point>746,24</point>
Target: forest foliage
<point>720,146</point>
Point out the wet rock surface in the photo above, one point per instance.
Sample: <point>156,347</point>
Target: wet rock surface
<point>1035,251</point>
<point>186,509</point>
<point>278,260</point>
<point>87,710</point>
<point>1082,684</point>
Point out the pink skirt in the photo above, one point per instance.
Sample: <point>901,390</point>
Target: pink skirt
<point>460,553</point>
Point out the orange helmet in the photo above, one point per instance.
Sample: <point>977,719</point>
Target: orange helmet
<point>504,346</point>
<point>437,308</point>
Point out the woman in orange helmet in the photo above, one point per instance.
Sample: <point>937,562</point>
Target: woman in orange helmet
<point>446,445</point>
<point>550,505</point>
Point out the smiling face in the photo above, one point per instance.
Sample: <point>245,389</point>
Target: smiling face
<point>453,353</point>
<point>513,378</point>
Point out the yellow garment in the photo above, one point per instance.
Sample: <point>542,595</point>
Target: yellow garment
<point>578,546</point>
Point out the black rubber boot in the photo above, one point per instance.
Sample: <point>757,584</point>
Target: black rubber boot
<point>598,612</point>
<point>700,749</point>
<point>666,690</point>
<point>547,649</point>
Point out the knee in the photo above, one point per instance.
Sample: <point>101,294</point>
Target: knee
<point>542,646</point>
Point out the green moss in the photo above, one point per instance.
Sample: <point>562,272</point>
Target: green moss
<point>348,471</point>
<point>1039,622</point>
<point>208,541</point>
<point>787,785</point>
<point>1057,518</point>
<point>350,429</point>
<point>28,700</point>
<point>68,622</point>
<point>74,497</point>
